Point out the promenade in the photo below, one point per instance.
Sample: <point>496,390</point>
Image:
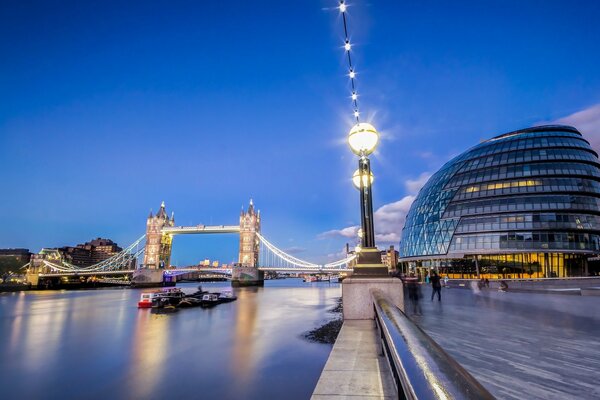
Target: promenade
<point>355,368</point>
<point>519,345</point>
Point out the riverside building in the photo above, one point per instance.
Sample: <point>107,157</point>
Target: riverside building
<point>525,204</point>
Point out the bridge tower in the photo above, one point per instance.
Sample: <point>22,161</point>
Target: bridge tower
<point>246,272</point>
<point>157,253</point>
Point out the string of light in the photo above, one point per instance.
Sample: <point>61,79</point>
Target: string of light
<point>351,70</point>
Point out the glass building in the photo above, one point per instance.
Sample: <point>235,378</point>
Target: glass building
<point>523,204</point>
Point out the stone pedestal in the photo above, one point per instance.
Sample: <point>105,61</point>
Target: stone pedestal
<point>147,277</point>
<point>247,276</point>
<point>357,300</point>
<point>369,263</point>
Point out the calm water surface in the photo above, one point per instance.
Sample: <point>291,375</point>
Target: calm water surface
<point>96,344</point>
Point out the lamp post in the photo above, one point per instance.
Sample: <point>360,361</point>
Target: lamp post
<point>363,139</point>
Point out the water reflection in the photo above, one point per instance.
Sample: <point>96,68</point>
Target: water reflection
<point>97,343</point>
<point>244,359</point>
<point>42,334</point>
<point>17,323</point>
<point>148,353</point>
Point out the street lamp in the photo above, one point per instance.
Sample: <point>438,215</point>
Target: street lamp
<point>356,177</point>
<point>363,139</point>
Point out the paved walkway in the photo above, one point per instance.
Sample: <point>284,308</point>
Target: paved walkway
<point>519,345</point>
<point>354,369</point>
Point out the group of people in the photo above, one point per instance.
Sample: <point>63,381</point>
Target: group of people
<point>483,283</point>
<point>414,289</point>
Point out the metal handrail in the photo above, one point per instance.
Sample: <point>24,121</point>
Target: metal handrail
<point>420,367</point>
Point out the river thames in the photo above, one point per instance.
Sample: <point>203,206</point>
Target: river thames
<point>96,344</point>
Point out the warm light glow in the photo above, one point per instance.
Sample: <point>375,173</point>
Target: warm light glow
<point>347,46</point>
<point>365,182</point>
<point>354,96</point>
<point>342,6</point>
<point>352,74</point>
<point>357,249</point>
<point>363,138</point>
<point>360,232</point>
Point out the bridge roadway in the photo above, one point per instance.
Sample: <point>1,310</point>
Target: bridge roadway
<point>519,345</point>
<point>223,271</point>
<point>196,229</point>
<point>86,273</point>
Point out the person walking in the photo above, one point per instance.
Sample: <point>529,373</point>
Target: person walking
<point>436,285</point>
<point>414,293</point>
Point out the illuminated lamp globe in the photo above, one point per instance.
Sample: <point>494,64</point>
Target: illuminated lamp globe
<point>365,182</point>
<point>363,138</point>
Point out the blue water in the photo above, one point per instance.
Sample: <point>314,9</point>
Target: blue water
<point>96,344</point>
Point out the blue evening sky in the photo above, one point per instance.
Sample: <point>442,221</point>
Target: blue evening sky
<point>108,108</point>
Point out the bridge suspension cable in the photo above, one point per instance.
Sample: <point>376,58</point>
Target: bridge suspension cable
<point>273,257</point>
<point>119,261</point>
<point>284,256</point>
<point>339,263</point>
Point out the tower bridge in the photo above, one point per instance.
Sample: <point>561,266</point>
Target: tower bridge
<point>255,255</point>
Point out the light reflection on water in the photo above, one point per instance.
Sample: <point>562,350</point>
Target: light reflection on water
<point>97,344</point>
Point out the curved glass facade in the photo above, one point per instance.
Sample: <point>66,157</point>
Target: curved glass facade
<point>528,199</point>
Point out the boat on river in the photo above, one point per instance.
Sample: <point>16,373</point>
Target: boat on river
<point>226,297</point>
<point>189,301</point>
<point>168,296</point>
<point>172,295</point>
<point>163,307</point>
<point>147,299</point>
<point>210,299</point>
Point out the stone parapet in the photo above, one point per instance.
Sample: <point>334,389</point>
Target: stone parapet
<point>356,296</point>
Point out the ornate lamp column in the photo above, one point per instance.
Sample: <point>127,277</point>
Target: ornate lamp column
<point>363,139</point>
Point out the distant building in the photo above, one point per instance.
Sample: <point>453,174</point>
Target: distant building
<point>90,253</point>
<point>49,255</point>
<point>389,258</point>
<point>525,204</point>
<point>21,254</point>
<point>13,259</point>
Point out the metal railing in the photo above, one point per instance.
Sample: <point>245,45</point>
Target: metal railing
<point>420,367</point>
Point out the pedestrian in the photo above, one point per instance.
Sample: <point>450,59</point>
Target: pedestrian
<point>487,283</point>
<point>436,285</point>
<point>446,281</point>
<point>414,293</point>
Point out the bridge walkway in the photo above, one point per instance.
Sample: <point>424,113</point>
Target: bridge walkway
<point>542,346</point>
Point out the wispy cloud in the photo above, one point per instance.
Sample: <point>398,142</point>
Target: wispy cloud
<point>389,218</point>
<point>294,250</point>
<point>349,232</point>
<point>413,186</point>
<point>587,121</point>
